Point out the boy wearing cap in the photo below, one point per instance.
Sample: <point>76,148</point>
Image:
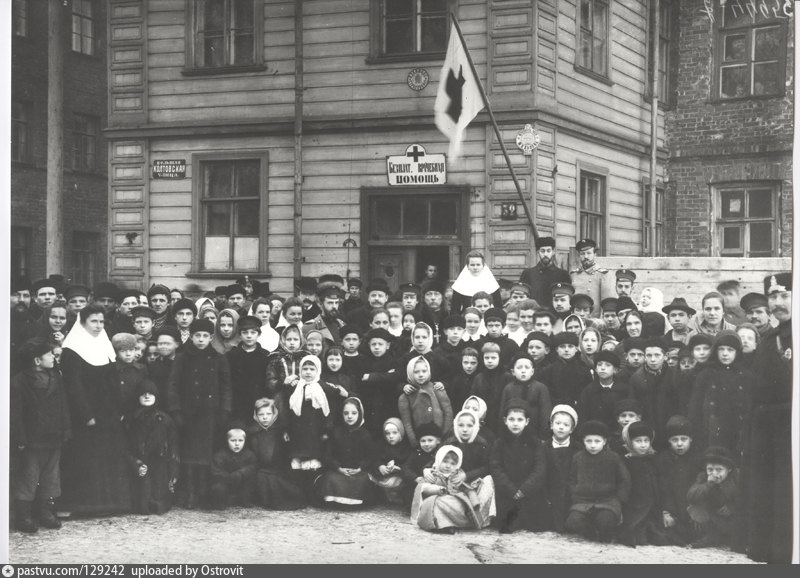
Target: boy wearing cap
<point>39,425</point>
<point>608,311</point>
<point>377,296</point>
<point>561,294</point>
<point>128,373</point>
<point>633,350</point>
<point>626,411</point>
<point>143,321</point>
<point>582,305</point>
<point>567,376</point>
<point>248,362</point>
<point>654,386</point>
<point>450,348</point>
<point>158,296</point>
<point>598,399</point>
<point>184,311</point>
<point>559,452</point>
<point>353,300</point>
<point>409,296</point>
<point>541,277</point>
<point>378,385</point>
<point>155,457</point>
<point>599,483</point>
<point>167,339</point>
<point>200,401</point>
<point>679,314</point>
<point>534,393</point>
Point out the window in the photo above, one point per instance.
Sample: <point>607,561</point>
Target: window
<point>228,34</point>
<point>84,143</point>
<point>19,132</point>
<point>750,53</point>
<point>410,28</point>
<point>592,36</point>
<point>20,15</point>
<point>20,252</point>
<point>85,256</point>
<point>232,201</point>
<point>592,208</point>
<point>415,216</point>
<point>82,27</point>
<point>747,220</point>
<point>667,26</point>
<point>646,220</point>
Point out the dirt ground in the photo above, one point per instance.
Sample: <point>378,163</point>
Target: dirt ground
<point>379,535</point>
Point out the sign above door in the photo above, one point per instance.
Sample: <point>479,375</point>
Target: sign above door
<point>416,167</point>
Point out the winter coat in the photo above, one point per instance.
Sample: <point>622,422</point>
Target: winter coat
<point>425,405</point>
<point>537,396</point>
<point>417,461</point>
<point>565,379</point>
<point>559,461</point>
<point>452,356</point>
<point>508,349</point>
<point>658,397</point>
<point>598,481</point>
<point>248,378</point>
<point>488,386</point>
<point>39,414</point>
<point>128,377</point>
<point>676,474</point>
<point>597,402</point>
<point>384,453</point>
<point>349,447</point>
<point>379,391</point>
<point>642,507</point>
<point>232,469</point>
<point>458,388</point>
<point>159,371</point>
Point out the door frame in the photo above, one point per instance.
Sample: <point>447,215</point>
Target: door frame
<point>462,192</point>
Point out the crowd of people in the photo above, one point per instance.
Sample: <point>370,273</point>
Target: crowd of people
<point>544,404</point>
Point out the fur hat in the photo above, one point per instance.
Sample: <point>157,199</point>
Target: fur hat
<point>143,311</point>
<point>494,313</point>
<point>146,386</point>
<point>585,244</point>
<point>640,429</point>
<point>123,341</point>
<point>719,455</point>
<point>700,339</point>
<point>678,425</point>
<point>106,289</point>
<point>234,289</point>
<point>378,333</point>
<point>565,337</point>
<point>158,290</point>
<point>350,328</point>
<point>633,343</point>
<point>436,286</point>
<point>249,322</point>
<point>545,242</point>
<point>594,428</point>
<point>32,349</point>
<point>454,321</point>
<point>567,409</point>
<point>184,303</point>
<point>76,291</point>
<point>656,341</point>
<point>730,338</point>
<point>628,404</point>
<point>201,325</point>
<point>428,429</point>
<point>778,283</point>
<point>608,356</point>
<point>625,303</point>
<point>538,336</point>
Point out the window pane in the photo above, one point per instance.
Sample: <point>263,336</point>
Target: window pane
<point>586,13</point>
<point>398,7</point>
<point>415,217</point>
<point>735,48</point>
<point>214,13</point>
<point>599,55</point>
<point>731,238</point>
<point>760,238</point>
<point>585,54</point>
<point>765,78</point>
<point>218,179</point>
<point>767,43</point>
<point>434,34</point>
<point>734,81</point>
<point>242,48</point>
<point>213,50</point>
<point>387,218</point>
<point>732,204</point>
<point>217,253</point>
<point>248,178</point>
<point>245,254</point>
<point>444,218</point>
<point>759,203</point>
<point>218,219</point>
<point>735,15</point>
<point>399,37</point>
<point>247,218</point>
<point>429,6</point>
<point>599,21</point>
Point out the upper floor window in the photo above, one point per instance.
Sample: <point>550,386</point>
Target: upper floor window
<point>667,28</point>
<point>410,28</point>
<point>749,52</point>
<point>20,253</point>
<point>19,131</point>
<point>592,208</point>
<point>228,34</point>
<point>746,220</point>
<point>20,17</point>
<point>592,36</point>
<point>82,27</point>
<point>84,142</point>
<point>659,220</point>
<point>85,257</point>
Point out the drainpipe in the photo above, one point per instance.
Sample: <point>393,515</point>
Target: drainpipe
<point>298,136</point>
<point>654,126</point>
<point>54,221</point>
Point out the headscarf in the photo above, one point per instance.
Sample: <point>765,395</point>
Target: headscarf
<point>410,369</point>
<point>656,300</point>
<point>466,412</point>
<point>423,325</point>
<point>585,356</point>
<point>202,303</point>
<point>468,284</point>
<point>95,351</point>
<point>221,344</point>
<point>443,451</point>
<point>573,316</point>
<point>360,407</point>
<point>481,404</point>
<point>626,439</point>
<point>309,390</point>
<point>261,402</point>
<point>396,422</point>
<point>288,328</point>
<point>624,324</point>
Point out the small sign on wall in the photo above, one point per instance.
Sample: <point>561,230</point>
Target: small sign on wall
<point>416,167</point>
<point>169,169</point>
<point>508,211</point>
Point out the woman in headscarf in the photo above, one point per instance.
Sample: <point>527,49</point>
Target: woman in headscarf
<point>475,277</point>
<point>95,469</point>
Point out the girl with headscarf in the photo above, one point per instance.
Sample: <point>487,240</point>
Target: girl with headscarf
<point>589,342</point>
<point>445,502</point>
<point>347,460</point>
<point>475,277</point>
<point>477,406</point>
<point>226,331</point>
<point>391,452</point>
<point>95,469</point>
<point>274,488</point>
<point>421,345</point>
<point>475,449</point>
<point>425,404</point>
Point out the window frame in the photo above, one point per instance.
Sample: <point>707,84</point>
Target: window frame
<point>377,36</point>
<point>20,244</point>
<point>84,254</point>
<point>720,223</point>
<point>193,41</point>
<point>660,193</point>
<point>19,20</point>
<point>600,173</point>
<point>81,139</point>
<point>198,224</point>
<point>83,18</point>
<point>721,32</point>
<point>668,49</point>
<point>605,75</point>
<point>24,125</point>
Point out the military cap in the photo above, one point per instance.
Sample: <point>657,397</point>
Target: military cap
<point>582,300</point>
<point>521,287</point>
<point>76,291</point>
<point>562,289</point>
<point>249,322</point>
<point>609,304</point>
<point>585,244</point>
<point>410,288</point>
<point>752,300</point>
<point>777,283</point>
<point>626,274</point>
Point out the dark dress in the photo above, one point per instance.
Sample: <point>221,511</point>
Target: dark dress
<point>275,490</point>
<point>349,447</point>
<point>248,378</point>
<point>95,474</point>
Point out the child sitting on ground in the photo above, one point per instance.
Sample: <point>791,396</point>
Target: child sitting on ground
<point>390,455</point>
<point>430,438</point>
<point>233,471</point>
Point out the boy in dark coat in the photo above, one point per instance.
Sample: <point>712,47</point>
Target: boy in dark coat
<point>154,447</point>
<point>450,348</point>
<point>489,383</point>
<point>248,363</point>
<point>430,438</point>
<point>129,373</point>
<point>233,471</point>
<point>534,393</point>
<point>495,319</point>
<point>379,385</point>
<point>40,423</point>
<point>598,399</point>
<point>167,339</point>
<point>625,411</point>
<point>653,385</point>
<point>566,377</point>
<point>519,469</point>
<point>199,400</point>
<point>559,451</point>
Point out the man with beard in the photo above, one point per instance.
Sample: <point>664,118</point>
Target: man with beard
<point>624,283</point>
<point>377,296</point>
<point>305,289</point>
<point>542,277</point>
<point>329,321</point>
<point>767,460</point>
<point>591,279</point>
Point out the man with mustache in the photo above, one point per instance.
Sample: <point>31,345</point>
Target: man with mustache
<point>591,279</point>
<point>306,289</point>
<point>329,321</point>
<point>542,277</point>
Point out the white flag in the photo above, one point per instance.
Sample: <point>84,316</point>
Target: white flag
<point>458,99</point>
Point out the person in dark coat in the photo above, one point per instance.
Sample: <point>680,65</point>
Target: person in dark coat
<point>489,383</point>
<point>452,345</point>
<point>200,402</point>
<point>430,438</point>
<point>391,452</point>
<point>433,310</point>
<point>379,385</point>
<point>524,386</point>
<point>559,451</point>
<point>653,385</point>
<point>518,466</point>
<point>459,385</point>
<point>275,490</point>
<point>283,369</point>
<point>167,340</point>
<point>233,471</point>
<point>128,372</point>
<point>566,377</point>
<point>40,424</point>
<point>154,446</point>
<point>677,468</point>
<point>598,399</point>
<point>248,362</point>
<point>495,319</point>
<point>474,277</point>
<point>474,449</point>
<point>94,467</point>
<point>542,277</point>
<point>685,379</point>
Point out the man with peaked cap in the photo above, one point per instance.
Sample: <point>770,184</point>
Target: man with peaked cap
<point>767,460</point>
<point>305,289</point>
<point>158,296</point>
<point>409,296</point>
<point>20,291</point>
<point>237,298</point>
<point>377,293</point>
<point>756,310</point>
<point>589,278</point>
<point>561,302</point>
<point>329,321</point>
<point>353,300</point>
<point>542,276</point>
<point>624,283</point>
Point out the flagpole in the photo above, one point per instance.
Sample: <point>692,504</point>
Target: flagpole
<point>496,129</point>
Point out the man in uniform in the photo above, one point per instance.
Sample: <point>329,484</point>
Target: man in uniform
<point>542,277</point>
<point>409,296</point>
<point>756,310</point>
<point>591,279</point>
<point>624,284</point>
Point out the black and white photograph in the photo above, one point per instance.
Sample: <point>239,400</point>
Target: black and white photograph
<point>398,282</point>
